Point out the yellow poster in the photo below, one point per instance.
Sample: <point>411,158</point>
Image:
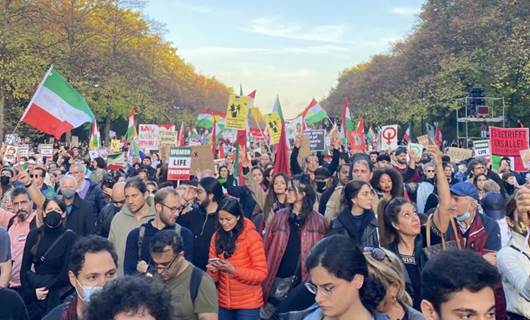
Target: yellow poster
<point>274,123</point>
<point>236,112</point>
<point>115,145</point>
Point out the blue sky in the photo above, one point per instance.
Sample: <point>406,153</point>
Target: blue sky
<point>292,48</point>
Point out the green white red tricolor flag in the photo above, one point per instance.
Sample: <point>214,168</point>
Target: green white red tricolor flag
<point>56,107</point>
<point>95,138</point>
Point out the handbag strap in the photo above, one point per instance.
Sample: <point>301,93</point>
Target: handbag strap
<point>456,233</point>
<point>428,226</point>
<point>45,255</point>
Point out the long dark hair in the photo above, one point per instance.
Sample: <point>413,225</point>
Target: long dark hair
<point>389,215</point>
<point>343,259</point>
<point>271,195</point>
<point>40,231</point>
<point>225,241</point>
<point>309,198</point>
<point>351,190</point>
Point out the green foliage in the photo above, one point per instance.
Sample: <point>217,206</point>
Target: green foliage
<point>114,57</point>
<point>454,46</point>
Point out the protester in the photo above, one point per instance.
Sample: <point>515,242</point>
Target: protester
<point>167,207</point>
<point>87,189</point>
<point>12,306</point>
<point>341,283</point>
<point>274,202</point>
<point>43,270</point>
<point>18,228</point>
<point>81,217</point>
<point>408,170</point>
<point>479,182</point>
<point>98,168</point>
<point>330,201</point>
<point>493,206</point>
<point>137,210</point>
<point>402,233</point>
<point>130,298</point>
<point>458,284</point>
<point>202,220</point>
<point>194,296</point>
<point>111,209</point>
<point>513,262</point>
<point>92,264</point>
<point>426,186</point>
<point>387,183</point>
<point>237,264</point>
<point>387,267</point>
<point>292,233</point>
<point>357,220</point>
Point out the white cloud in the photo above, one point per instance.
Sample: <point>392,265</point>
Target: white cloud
<point>275,27</point>
<point>405,10</point>
<point>215,51</point>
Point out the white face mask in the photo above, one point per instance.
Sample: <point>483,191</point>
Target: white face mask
<point>87,292</point>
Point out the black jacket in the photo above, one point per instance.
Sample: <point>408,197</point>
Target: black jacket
<point>105,218</point>
<point>95,196</point>
<point>81,218</point>
<point>343,224</point>
<point>203,226</point>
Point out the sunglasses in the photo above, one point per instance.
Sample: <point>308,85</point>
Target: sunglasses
<point>376,253</point>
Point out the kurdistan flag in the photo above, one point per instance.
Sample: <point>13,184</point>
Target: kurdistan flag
<point>56,107</point>
<point>314,113</point>
<point>131,136</point>
<point>204,120</point>
<point>95,138</point>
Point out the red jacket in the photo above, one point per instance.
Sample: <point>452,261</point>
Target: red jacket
<point>277,235</point>
<point>242,290</point>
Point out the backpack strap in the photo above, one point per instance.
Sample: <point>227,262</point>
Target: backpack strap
<point>50,248</point>
<point>141,235</point>
<point>195,282</point>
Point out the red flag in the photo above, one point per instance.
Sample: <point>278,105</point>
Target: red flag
<point>438,136</point>
<point>281,160</point>
<point>181,135</point>
<point>406,135</point>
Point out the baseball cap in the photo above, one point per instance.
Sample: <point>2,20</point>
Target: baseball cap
<point>465,189</point>
<point>400,150</point>
<point>322,173</point>
<point>493,205</point>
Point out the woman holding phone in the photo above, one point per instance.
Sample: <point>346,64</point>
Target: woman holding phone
<point>237,264</point>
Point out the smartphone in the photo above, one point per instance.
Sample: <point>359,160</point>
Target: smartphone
<point>214,260</point>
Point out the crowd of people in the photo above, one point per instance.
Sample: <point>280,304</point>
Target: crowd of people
<point>375,235</point>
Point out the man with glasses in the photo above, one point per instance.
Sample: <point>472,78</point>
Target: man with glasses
<point>111,209</point>
<point>426,187</point>
<point>37,178</point>
<point>478,166</point>
<point>168,206</point>
<point>18,229</point>
<point>194,296</point>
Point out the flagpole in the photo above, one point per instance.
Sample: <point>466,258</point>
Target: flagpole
<point>41,84</point>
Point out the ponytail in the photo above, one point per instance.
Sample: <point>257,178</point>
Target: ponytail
<point>372,292</point>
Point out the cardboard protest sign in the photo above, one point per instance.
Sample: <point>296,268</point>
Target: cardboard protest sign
<point>179,165</point>
<point>148,135</point>
<point>417,149</point>
<point>424,140</point>
<point>525,158</point>
<point>163,152</point>
<point>481,148</point>
<point>305,149</point>
<point>508,142</point>
<point>274,124</point>
<point>459,154</point>
<point>46,150</point>
<point>167,137</point>
<point>316,139</point>
<point>11,139</point>
<point>23,150</point>
<point>93,154</point>
<point>236,112</point>
<point>202,158</point>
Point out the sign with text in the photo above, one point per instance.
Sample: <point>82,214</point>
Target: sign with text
<point>525,158</point>
<point>459,154</point>
<point>148,135</point>
<point>167,137</point>
<point>236,112</point>
<point>316,139</point>
<point>46,150</point>
<point>274,124</point>
<point>424,140</point>
<point>23,150</point>
<point>417,148</point>
<point>11,154</point>
<point>481,148</point>
<point>179,165</point>
<point>509,142</point>
<point>115,145</point>
<point>11,139</point>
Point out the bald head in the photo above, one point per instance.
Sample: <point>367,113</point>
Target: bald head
<point>118,194</point>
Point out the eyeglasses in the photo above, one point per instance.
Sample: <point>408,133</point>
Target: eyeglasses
<point>431,171</point>
<point>376,253</point>
<point>165,266</point>
<point>325,290</point>
<point>172,209</point>
<point>118,202</point>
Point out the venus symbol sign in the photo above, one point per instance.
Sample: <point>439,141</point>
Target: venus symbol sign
<point>389,137</point>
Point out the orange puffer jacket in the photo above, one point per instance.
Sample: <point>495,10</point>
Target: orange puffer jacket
<point>242,290</point>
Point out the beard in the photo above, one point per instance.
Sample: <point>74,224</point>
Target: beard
<point>204,204</point>
<point>22,214</point>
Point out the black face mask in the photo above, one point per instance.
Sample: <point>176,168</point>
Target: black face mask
<point>53,219</point>
<point>4,180</point>
<point>320,186</point>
